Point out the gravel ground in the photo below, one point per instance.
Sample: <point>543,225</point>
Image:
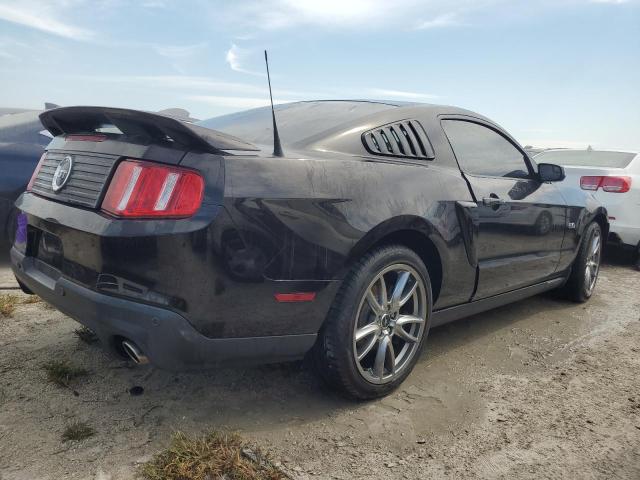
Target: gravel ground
<point>539,389</point>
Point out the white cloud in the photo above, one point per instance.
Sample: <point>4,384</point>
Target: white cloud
<point>181,57</point>
<point>444,20</point>
<point>255,15</point>
<point>154,4</point>
<point>233,57</point>
<point>43,16</point>
<point>199,84</point>
<point>179,82</point>
<point>234,102</point>
<point>214,90</point>
<point>279,14</point>
<point>384,93</point>
<point>236,57</point>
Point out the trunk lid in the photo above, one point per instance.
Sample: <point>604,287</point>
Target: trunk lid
<point>90,142</point>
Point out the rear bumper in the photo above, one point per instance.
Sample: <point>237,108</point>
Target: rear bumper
<point>626,235</point>
<point>167,338</point>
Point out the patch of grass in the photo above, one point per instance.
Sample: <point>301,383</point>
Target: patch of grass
<point>8,304</point>
<point>213,456</point>
<point>32,299</point>
<point>86,335</point>
<point>61,372</point>
<point>77,431</point>
<point>47,306</point>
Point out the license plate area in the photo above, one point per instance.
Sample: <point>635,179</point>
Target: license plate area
<point>49,249</point>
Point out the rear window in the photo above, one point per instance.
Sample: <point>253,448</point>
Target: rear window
<point>296,121</point>
<point>586,158</point>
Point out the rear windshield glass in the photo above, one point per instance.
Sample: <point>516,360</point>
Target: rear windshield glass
<point>296,121</point>
<point>586,158</point>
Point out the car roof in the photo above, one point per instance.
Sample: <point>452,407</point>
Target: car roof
<point>305,122</point>
<point>593,150</point>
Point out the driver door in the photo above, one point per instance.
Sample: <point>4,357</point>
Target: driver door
<point>521,220</point>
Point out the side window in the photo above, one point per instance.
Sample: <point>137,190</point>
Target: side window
<point>482,151</point>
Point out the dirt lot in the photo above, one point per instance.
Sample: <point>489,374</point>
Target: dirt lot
<point>538,389</point>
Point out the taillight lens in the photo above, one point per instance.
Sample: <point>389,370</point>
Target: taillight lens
<point>36,171</point>
<point>149,190</point>
<point>616,184</point>
<point>608,184</point>
<point>590,183</point>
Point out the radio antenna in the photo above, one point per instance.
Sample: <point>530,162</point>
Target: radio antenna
<point>277,147</point>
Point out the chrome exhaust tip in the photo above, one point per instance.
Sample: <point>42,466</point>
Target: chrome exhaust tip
<point>134,353</point>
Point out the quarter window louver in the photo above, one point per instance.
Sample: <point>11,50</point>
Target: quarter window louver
<point>406,139</point>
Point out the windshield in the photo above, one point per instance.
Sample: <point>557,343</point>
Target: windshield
<point>296,121</point>
<point>586,158</point>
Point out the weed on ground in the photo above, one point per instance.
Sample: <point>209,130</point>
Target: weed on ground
<point>86,335</point>
<point>31,299</point>
<point>62,373</point>
<point>77,431</point>
<point>8,304</point>
<point>213,456</point>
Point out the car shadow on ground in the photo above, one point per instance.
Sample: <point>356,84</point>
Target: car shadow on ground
<point>269,396</point>
<point>620,257</point>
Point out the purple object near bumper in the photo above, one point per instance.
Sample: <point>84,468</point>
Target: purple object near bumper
<point>21,230</point>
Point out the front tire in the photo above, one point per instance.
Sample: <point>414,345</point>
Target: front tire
<point>584,272</point>
<point>377,325</point>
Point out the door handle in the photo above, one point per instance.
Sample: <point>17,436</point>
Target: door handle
<point>492,201</point>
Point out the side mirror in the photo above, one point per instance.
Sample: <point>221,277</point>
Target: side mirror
<point>548,172</point>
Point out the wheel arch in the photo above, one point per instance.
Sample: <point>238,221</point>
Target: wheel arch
<point>603,220</point>
<point>415,233</point>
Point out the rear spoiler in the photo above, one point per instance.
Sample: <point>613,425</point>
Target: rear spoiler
<point>78,120</point>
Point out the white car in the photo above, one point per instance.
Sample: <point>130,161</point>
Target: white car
<point>614,178</point>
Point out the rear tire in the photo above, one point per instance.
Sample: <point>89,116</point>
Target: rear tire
<point>377,325</point>
<point>586,267</point>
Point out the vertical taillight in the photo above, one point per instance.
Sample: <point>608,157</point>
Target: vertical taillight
<point>608,184</point>
<point>150,190</point>
<point>36,171</point>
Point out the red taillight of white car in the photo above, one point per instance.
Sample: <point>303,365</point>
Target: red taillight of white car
<point>150,190</point>
<point>608,184</point>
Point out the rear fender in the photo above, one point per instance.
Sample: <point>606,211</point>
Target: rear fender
<point>392,225</point>
<point>454,277</point>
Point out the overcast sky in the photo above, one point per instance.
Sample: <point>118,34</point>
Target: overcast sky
<point>553,72</point>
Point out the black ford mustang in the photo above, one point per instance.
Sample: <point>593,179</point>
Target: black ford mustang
<point>188,245</point>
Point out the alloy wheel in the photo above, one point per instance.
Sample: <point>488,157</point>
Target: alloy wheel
<point>593,263</point>
<point>390,323</point>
